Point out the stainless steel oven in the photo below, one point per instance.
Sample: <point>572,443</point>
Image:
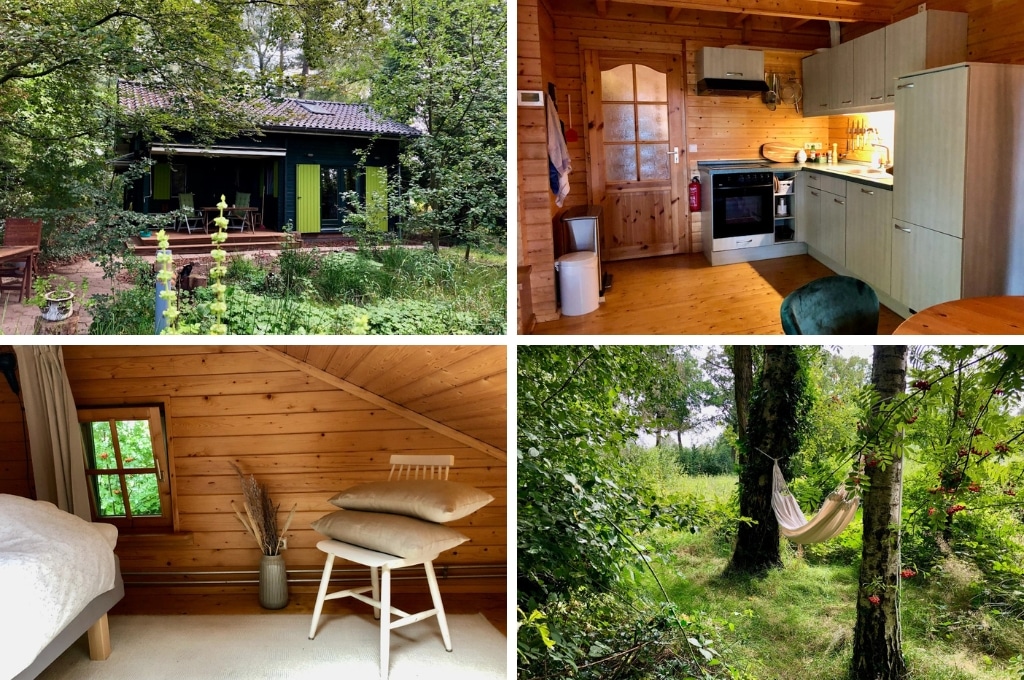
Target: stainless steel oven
<point>741,204</point>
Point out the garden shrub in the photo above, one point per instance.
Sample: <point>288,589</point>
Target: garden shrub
<point>348,277</point>
<point>416,317</point>
<point>130,311</point>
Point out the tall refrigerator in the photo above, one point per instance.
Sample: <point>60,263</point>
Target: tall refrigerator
<point>958,184</point>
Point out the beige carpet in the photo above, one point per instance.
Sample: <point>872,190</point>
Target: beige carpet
<point>277,646</point>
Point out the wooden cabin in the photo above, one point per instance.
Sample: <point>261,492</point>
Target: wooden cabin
<point>651,241</point>
<point>308,422</point>
<point>308,158</point>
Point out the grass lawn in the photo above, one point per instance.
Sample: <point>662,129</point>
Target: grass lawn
<point>797,623</point>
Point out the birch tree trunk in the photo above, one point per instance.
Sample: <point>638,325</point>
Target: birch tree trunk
<point>877,644</point>
<point>777,408</point>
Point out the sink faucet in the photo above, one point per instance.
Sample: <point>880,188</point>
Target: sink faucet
<point>888,153</point>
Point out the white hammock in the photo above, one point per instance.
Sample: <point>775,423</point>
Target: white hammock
<point>835,513</point>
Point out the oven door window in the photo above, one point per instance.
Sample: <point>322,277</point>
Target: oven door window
<point>743,212</point>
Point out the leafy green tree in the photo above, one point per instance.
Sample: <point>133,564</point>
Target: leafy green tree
<point>677,396</point>
<point>443,70</point>
<point>775,425</point>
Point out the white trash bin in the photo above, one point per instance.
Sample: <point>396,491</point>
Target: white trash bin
<point>577,280</point>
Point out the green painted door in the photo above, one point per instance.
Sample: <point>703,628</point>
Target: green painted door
<point>161,182</point>
<point>307,199</point>
<point>376,199</point>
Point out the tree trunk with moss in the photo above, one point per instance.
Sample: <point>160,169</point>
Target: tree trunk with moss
<point>777,409</point>
<point>877,645</point>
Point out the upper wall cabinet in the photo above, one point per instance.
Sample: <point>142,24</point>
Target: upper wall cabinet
<point>861,73</point>
<point>731,64</point>
<point>923,41</point>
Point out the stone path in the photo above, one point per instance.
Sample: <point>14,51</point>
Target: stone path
<point>19,319</point>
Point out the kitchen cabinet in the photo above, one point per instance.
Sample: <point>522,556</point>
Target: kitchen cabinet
<point>923,41</point>
<point>840,84</point>
<point>957,181</point>
<point>926,266</point>
<point>822,216</point>
<point>833,227</point>
<point>931,145</point>
<point>730,63</point>
<point>869,239</point>
<point>816,78</point>
<point>860,75</point>
<point>869,70</point>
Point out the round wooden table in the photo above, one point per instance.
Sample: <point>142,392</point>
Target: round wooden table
<point>1000,315</point>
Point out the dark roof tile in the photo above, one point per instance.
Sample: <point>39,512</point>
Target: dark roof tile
<point>287,113</point>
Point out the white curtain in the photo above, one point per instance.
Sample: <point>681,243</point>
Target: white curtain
<point>55,438</point>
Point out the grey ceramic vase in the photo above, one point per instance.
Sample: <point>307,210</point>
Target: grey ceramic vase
<point>273,582</point>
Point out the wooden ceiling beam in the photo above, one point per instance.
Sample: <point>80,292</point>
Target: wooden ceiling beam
<point>737,19</point>
<point>386,404</point>
<point>795,25</point>
<point>795,9</point>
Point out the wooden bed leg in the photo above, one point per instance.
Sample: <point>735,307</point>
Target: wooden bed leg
<point>99,639</point>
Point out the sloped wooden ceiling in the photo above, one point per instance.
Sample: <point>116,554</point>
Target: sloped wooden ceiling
<point>460,391</point>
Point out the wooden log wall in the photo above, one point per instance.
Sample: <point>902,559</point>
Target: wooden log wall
<point>995,28</point>
<point>570,21</point>
<point>303,438</point>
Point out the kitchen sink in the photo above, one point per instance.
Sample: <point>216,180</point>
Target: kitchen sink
<point>866,172</point>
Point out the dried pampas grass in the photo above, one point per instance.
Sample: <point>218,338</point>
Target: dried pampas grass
<point>260,518</point>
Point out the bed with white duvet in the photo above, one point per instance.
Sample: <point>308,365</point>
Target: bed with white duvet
<point>58,578</point>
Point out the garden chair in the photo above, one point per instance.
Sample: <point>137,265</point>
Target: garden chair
<point>835,305</point>
<point>187,204</point>
<point>20,232</point>
<point>243,216</point>
<point>402,467</point>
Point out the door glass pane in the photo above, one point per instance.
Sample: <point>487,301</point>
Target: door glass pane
<point>620,163</point>
<point>654,161</point>
<point>651,86</point>
<point>99,445</point>
<point>617,84</point>
<point>328,193</point>
<point>136,446</point>
<point>653,122</point>
<point>619,124</point>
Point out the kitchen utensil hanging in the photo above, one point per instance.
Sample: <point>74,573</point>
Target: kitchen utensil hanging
<point>571,135</point>
<point>792,93</point>
<point>771,97</point>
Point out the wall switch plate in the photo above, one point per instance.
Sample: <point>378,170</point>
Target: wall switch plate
<point>691,148</point>
<point>922,8</point>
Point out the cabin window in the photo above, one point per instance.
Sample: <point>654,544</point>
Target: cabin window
<point>126,466</point>
<point>338,185</point>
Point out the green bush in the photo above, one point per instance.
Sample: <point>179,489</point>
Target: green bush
<point>131,311</point>
<point>415,317</point>
<point>348,277</point>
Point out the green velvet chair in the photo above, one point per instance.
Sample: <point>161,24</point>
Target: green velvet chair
<point>835,305</point>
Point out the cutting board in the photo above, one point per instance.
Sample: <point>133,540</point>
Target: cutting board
<point>780,152</point>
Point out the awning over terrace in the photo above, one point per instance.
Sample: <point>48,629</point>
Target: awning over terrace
<point>219,151</point>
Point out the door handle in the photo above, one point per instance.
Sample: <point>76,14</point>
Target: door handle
<point>839,202</point>
<point>734,73</point>
<point>905,86</point>
<point>675,154</point>
<point>814,193</point>
<point>875,99</point>
<point>869,193</point>
<point>903,229</point>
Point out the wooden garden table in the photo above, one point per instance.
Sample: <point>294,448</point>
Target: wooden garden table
<point>998,315</point>
<point>26,254</point>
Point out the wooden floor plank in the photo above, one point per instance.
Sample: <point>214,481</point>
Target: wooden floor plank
<point>684,295</point>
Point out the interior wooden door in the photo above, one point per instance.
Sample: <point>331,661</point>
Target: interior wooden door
<point>635,152</point>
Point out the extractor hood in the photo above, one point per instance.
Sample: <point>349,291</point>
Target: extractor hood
<point>729,87</point>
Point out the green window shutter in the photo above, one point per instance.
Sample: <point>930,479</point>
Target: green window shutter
<point>376,199</point>
<point>162,181</point>
<point>307,199</point>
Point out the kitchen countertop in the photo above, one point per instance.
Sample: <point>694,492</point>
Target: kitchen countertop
<point>854,172</point>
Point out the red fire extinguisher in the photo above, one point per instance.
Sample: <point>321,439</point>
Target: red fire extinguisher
<point>695,194</point>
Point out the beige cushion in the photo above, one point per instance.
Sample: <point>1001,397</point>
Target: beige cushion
<point>392,534</point>
<point>434,500</point>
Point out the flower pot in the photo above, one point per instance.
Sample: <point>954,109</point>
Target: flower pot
<point>273,582</point>
<point>58,306</point>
